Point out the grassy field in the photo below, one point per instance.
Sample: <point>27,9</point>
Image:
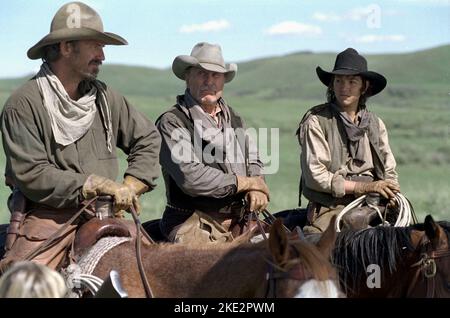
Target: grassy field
<point>423,153</point>
<point>415,110</point>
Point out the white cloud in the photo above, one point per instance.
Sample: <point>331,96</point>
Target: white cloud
<point>359,13</point>
<point>372,38</point>
<point>294,28</point>
<point>355,14</point>
<point>428,2</point>
<point>326,17</point>
<point>214,25</point>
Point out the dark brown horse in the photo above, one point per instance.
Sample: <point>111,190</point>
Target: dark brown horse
<point>409,261</point>
<point>278,267</point>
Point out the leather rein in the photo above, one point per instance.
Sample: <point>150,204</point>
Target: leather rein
<point>427,266</point>
<point>275,273</point>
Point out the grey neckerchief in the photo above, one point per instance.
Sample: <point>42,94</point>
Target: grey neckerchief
<point>234,158</point>
<point>70,119</point>
<point>355,131</point>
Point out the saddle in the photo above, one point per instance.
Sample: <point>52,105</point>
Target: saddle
<point>95,229</point>
<point>247,224</point>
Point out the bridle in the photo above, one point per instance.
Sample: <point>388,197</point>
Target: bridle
<point>275,273</point>
<point>428,267</point>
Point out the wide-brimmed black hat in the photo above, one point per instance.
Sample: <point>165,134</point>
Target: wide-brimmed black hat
<point>350,62</point>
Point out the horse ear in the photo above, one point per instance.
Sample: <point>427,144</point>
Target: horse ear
<point>328,238</point>
<point>278,242</point>
<point>434,232</point>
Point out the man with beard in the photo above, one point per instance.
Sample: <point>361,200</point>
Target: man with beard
<point>60,132</point>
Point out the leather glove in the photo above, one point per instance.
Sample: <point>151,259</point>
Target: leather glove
<point>256,200</point>
<point>119,214</point>
<point>135,184</point>
<point>387,188</point>
<point>138,187</point>
<point>97,185</point>
<point>245,184</point>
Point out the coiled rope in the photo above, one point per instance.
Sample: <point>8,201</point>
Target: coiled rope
<point>406,215</point>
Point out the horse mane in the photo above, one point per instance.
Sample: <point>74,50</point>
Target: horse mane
<point>355,250</point>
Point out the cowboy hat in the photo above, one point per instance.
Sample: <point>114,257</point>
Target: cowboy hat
<point>206,56</point>
<point>75,21</point>
<point>350,62</point>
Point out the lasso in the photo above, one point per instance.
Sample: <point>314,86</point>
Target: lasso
<point>405,217</point>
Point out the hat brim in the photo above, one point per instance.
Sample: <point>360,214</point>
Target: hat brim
<point>377,81</point>
<point>107,38</point>
<point>183,62</point>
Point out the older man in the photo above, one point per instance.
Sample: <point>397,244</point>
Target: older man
<point>60,133</point>
<point>210,165</point>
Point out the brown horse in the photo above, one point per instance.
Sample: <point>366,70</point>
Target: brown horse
<point>278,267</point>
<point>409,261</point>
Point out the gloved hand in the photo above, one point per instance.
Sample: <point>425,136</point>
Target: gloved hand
<point>138,187</point>
<point>257,200</point>
<point>245,184</point>
<point>97,185</point>
<point>387,188</point>
<point>119,214</point>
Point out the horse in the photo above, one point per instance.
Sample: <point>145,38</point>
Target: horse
<point>411,261</point>
<point>278,267</point>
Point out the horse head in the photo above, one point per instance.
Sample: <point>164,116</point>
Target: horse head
<point>431,272</point>
<point>298,268</point>
<point>386,261</point>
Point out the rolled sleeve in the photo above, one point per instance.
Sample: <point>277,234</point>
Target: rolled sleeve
<point>315,159</point>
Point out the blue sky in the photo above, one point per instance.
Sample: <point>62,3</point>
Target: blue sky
<point>159,31</point>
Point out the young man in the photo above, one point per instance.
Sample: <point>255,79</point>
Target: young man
<point>60,132</point>
<point>208,166</point>
<point>345,151</point>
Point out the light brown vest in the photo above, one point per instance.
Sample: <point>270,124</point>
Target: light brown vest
<point>334,132</point>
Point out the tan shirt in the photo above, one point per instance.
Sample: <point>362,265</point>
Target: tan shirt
<point>316,160</point>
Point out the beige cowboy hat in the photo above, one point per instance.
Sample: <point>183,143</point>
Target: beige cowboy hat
<point>206,56</point>
<point>75,21</point>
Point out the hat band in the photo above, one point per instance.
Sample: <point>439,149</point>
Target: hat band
<point>348,68</point>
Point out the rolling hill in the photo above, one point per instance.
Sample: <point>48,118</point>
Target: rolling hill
<point>286,77</point>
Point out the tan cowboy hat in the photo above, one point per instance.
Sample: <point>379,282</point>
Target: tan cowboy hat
<point>75,21</point>
<point>207,56</point>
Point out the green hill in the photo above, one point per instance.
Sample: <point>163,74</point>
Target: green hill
<point>287,77</point>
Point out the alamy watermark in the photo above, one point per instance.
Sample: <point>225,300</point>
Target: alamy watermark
<point>373,20</point>
<point>228,146</point>
<point>374,276</point>
<point>74,19</point>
